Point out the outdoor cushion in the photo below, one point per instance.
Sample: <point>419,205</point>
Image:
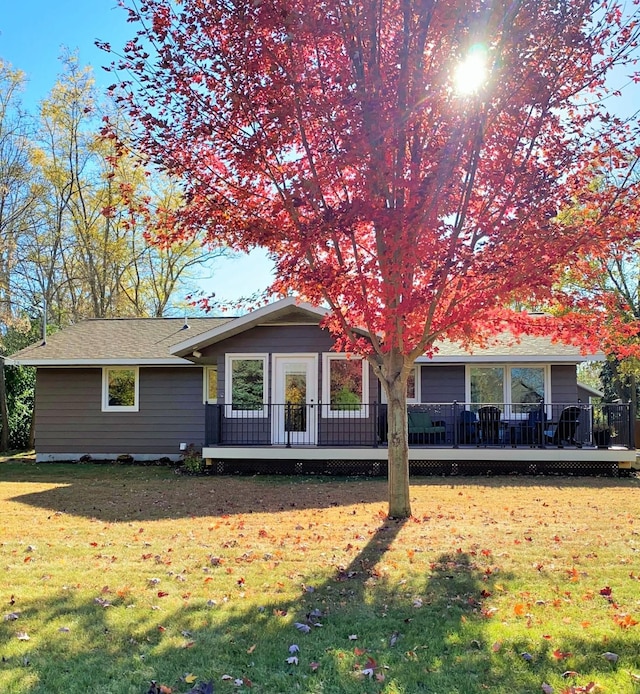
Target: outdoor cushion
<point>421,423</point>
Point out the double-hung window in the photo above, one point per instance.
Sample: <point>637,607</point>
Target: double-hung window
<point>120,389</point>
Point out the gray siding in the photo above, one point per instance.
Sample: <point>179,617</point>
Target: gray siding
<point>564,383</point>
<point>442,383</point>
<point>69,417</point>
<point>269,339</point>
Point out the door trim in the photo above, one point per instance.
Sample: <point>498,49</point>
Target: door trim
<point>312,359</point>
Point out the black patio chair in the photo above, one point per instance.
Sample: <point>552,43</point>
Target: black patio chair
<point>533,429</point>
<point>468,427</point>
<point>565,430</point>
<point>489,425</point>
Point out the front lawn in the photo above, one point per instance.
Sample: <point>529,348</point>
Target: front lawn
<point>114,577</point>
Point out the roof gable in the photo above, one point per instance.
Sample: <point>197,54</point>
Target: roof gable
<point>283,312</point>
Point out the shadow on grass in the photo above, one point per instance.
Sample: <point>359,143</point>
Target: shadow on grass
<point>425,631</point>
<point>361,627</point>
<point>122,493</point>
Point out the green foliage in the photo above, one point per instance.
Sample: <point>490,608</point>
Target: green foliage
<point>20,383</point>
<point>247,390</point>
<point>192,460</point>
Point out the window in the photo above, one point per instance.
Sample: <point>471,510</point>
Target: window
<point>413,387</point>
<point>520,386</point>
<point>487,384</point>
<point>210,374</point>
<point>120,389</point>
<point>344,385</point>
<point>246,385</point>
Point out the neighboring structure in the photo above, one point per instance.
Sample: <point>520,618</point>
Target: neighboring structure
<point>267,389</point>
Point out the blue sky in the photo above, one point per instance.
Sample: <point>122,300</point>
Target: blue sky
<point>33,34</point>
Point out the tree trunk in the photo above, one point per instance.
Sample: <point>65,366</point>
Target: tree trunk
<point>4,413</point>
<point>395,373</point>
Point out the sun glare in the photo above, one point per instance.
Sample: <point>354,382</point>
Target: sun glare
<point>471,73</point>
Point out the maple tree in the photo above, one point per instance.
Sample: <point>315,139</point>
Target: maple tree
<point>347,139</point>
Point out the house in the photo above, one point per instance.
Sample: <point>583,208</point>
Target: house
<point>265,392</point>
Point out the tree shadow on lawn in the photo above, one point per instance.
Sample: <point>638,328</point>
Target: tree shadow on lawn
<point>425,631</point>
<point>122,493</point>
<point>139,495</point>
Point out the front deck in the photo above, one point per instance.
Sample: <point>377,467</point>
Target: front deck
<point>444,438</point>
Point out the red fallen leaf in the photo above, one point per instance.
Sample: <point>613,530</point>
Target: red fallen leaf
<point>147,556</point>
<point>624,621</point>
<point>93,544</point>
<point>162,594</point>
<point>485,552</point>
<point>208,579</point>
<point>359,651</point>
<point>27,560</point>
<point>247,682</point>
<point>519,609</point>
<point>189,644</point>
<point>485,594</point>
<point>560,655</point>
<point>314,665</point>
<point>606,591</point>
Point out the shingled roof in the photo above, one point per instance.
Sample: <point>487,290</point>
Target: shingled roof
<point>116,341</point>
<point>165,341</point>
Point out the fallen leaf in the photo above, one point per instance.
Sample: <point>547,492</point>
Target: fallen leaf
<point>190,678</point>
<point>547,688</point>
<point>304,628</point>
<point>23,636</point>
<point>353,637</point>
<point>162,594</point>
<point>292,660</point>
<point>611,657</point>
<point>293,648</point>
<point>314,665</point>
<point>560,655</point>
<point>526,656</point>
<point>251,649</point>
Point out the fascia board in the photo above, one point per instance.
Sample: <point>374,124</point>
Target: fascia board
<point>511,358</point>
<point>98,362</point>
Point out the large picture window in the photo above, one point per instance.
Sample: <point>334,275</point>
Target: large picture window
<point>520,386</point>
<point>246,384</point>
<point>344,385</point>
<point>120,389</point>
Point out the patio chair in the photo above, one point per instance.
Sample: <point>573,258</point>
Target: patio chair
<point>467,430</point>
<point>489,425</point>
<point>533,429</point>
<point>565,430</point>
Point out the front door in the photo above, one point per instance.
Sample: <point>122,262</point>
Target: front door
<point>295,400</point>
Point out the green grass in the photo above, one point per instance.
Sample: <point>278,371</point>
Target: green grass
<point>123,575</point>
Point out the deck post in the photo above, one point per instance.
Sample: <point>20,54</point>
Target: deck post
<point>454,408</point>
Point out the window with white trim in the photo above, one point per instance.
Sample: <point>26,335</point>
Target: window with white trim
<point>246,385</point>
<point>413,387</point>
<point>210,384</point>
<point>345,385</point>
<point>120,389</point>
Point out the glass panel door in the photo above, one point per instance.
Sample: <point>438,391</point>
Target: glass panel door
<point>294,403</point>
